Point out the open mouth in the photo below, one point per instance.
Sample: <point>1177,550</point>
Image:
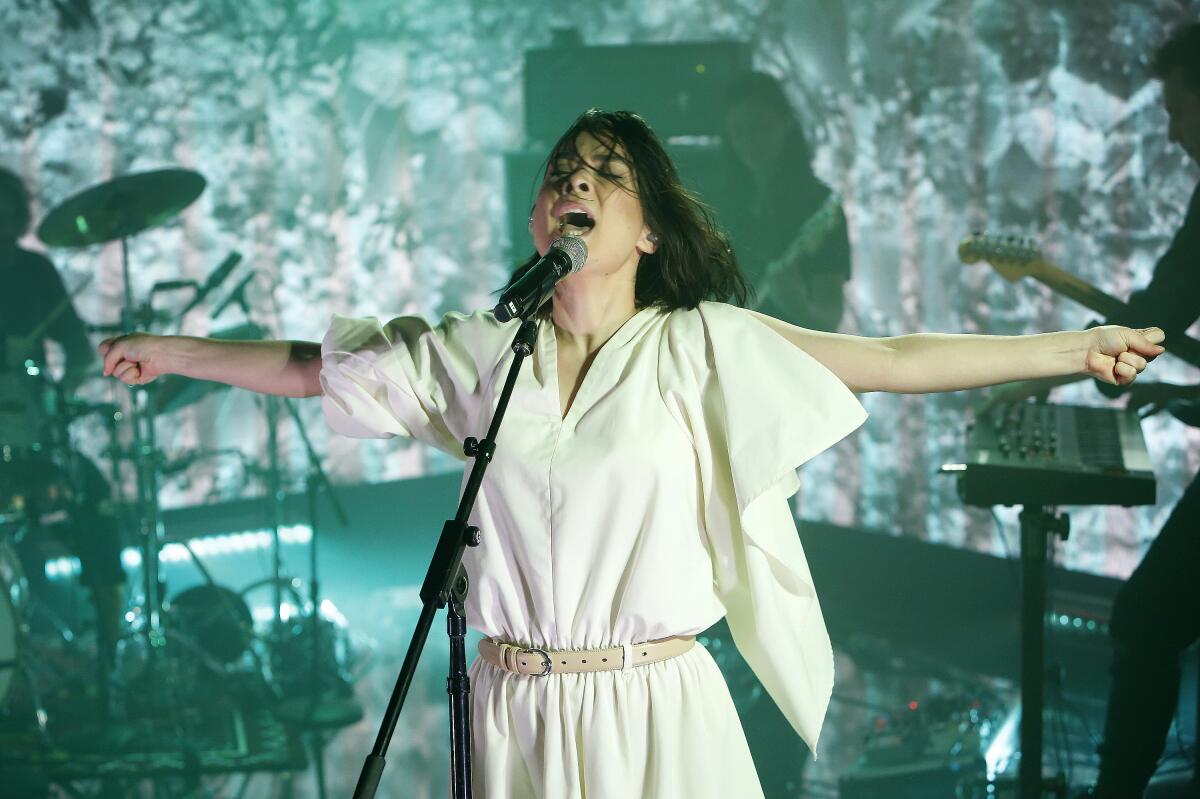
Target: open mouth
<point>575,223</point>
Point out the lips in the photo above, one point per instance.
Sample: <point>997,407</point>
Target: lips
<point>573,218</point>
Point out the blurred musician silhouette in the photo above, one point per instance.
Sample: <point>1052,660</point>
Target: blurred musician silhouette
<point>50,494</point>
<point>786,225</point>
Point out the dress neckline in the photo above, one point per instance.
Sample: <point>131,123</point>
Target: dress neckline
<point>548,346</point>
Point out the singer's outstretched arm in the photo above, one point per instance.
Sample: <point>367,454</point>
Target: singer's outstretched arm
<point>922,363</point>
<point>283,368</point>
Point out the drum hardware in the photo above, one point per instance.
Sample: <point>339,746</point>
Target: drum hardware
<point>14,596</point>
<point>203,633</point>
<point>215,618</point>
<point>340,662</point>
<point>235,297</point>
<point>172,392</point>
<point>314,689</point>
<point>120,208</point>
<point>116,210</point>
<point>21,708</point>
<point>315,480</point>
<point>314,709</point>
<point>299,663</point>
<point>76,408</point>
<point>214,280</point>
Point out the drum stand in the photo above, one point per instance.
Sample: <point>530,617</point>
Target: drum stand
<point>314,481</point>
<point>142,417</point>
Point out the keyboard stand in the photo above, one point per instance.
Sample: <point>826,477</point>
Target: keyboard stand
<point>1039,525</point>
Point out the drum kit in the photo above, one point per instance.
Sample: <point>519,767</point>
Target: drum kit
<point>166,660</point>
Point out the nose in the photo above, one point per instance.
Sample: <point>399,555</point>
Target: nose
<point>576,182</point>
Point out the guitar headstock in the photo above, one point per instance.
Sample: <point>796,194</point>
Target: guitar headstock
<point>1012,256</point>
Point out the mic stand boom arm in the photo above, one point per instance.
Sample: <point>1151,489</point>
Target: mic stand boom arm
<point>445,583</point>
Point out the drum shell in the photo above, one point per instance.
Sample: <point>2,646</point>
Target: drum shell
<point>214,619</point>
<point>292,658</point>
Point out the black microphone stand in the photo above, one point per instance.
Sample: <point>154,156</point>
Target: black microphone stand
<point>446,584</point>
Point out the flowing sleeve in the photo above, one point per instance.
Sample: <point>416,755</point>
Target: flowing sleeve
<point>408,377</point>
<point>757,407</point>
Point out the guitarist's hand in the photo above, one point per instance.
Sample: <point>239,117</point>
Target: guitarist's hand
<point>1117,355</point>
<point>1155,397</point>
<point>1009,393</point>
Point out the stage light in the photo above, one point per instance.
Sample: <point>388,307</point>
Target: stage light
<point>203,546</point>
<point>1000,752</point>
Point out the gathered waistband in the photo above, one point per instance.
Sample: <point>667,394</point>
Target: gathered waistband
<point>535,662</point>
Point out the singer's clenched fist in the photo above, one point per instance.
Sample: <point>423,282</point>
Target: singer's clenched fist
<point>137,358</point>
<point>1118,354</point>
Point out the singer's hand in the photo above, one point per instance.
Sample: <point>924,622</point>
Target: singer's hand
<point>1117,355</point>
<point>138,358</point>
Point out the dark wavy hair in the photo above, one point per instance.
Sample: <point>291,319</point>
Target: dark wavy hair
<point>1181,51</point>
<point>693,260</point>
<point>14,194</point>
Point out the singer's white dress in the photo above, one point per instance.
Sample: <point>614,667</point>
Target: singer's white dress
<point>657,505</point>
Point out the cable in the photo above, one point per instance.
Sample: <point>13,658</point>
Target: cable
<point>1013,561</point>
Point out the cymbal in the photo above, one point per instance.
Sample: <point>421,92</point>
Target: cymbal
<point>120,207</point>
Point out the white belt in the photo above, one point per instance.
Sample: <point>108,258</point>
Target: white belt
<point>536,662</point>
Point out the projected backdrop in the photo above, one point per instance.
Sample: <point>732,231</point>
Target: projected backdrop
<point>354,155</point>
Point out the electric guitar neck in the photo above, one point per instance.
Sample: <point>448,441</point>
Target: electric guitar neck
<point>1015,258</point>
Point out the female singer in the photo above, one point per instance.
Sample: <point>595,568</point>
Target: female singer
<point>639,488</point>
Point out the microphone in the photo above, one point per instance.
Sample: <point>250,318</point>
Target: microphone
<point>174,285</point>
<point>214,280</point>
<point>565,257</point>
<point>238,296</point>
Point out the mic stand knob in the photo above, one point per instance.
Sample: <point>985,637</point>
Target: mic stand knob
<point>473,448</point>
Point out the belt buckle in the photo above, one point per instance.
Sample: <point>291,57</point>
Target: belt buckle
<point>545,657</point>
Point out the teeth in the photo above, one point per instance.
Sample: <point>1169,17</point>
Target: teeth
<point>576,219</point>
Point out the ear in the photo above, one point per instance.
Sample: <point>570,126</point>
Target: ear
<point>648,243</point>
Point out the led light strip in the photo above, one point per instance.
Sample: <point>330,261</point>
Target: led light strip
<point>204,546</point>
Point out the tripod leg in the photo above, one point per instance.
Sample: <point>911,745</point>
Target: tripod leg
<point>458,686</point>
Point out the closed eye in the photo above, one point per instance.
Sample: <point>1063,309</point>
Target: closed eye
<point>604,171</point>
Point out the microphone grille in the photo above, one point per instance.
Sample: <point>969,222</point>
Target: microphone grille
<point>575,248</point>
